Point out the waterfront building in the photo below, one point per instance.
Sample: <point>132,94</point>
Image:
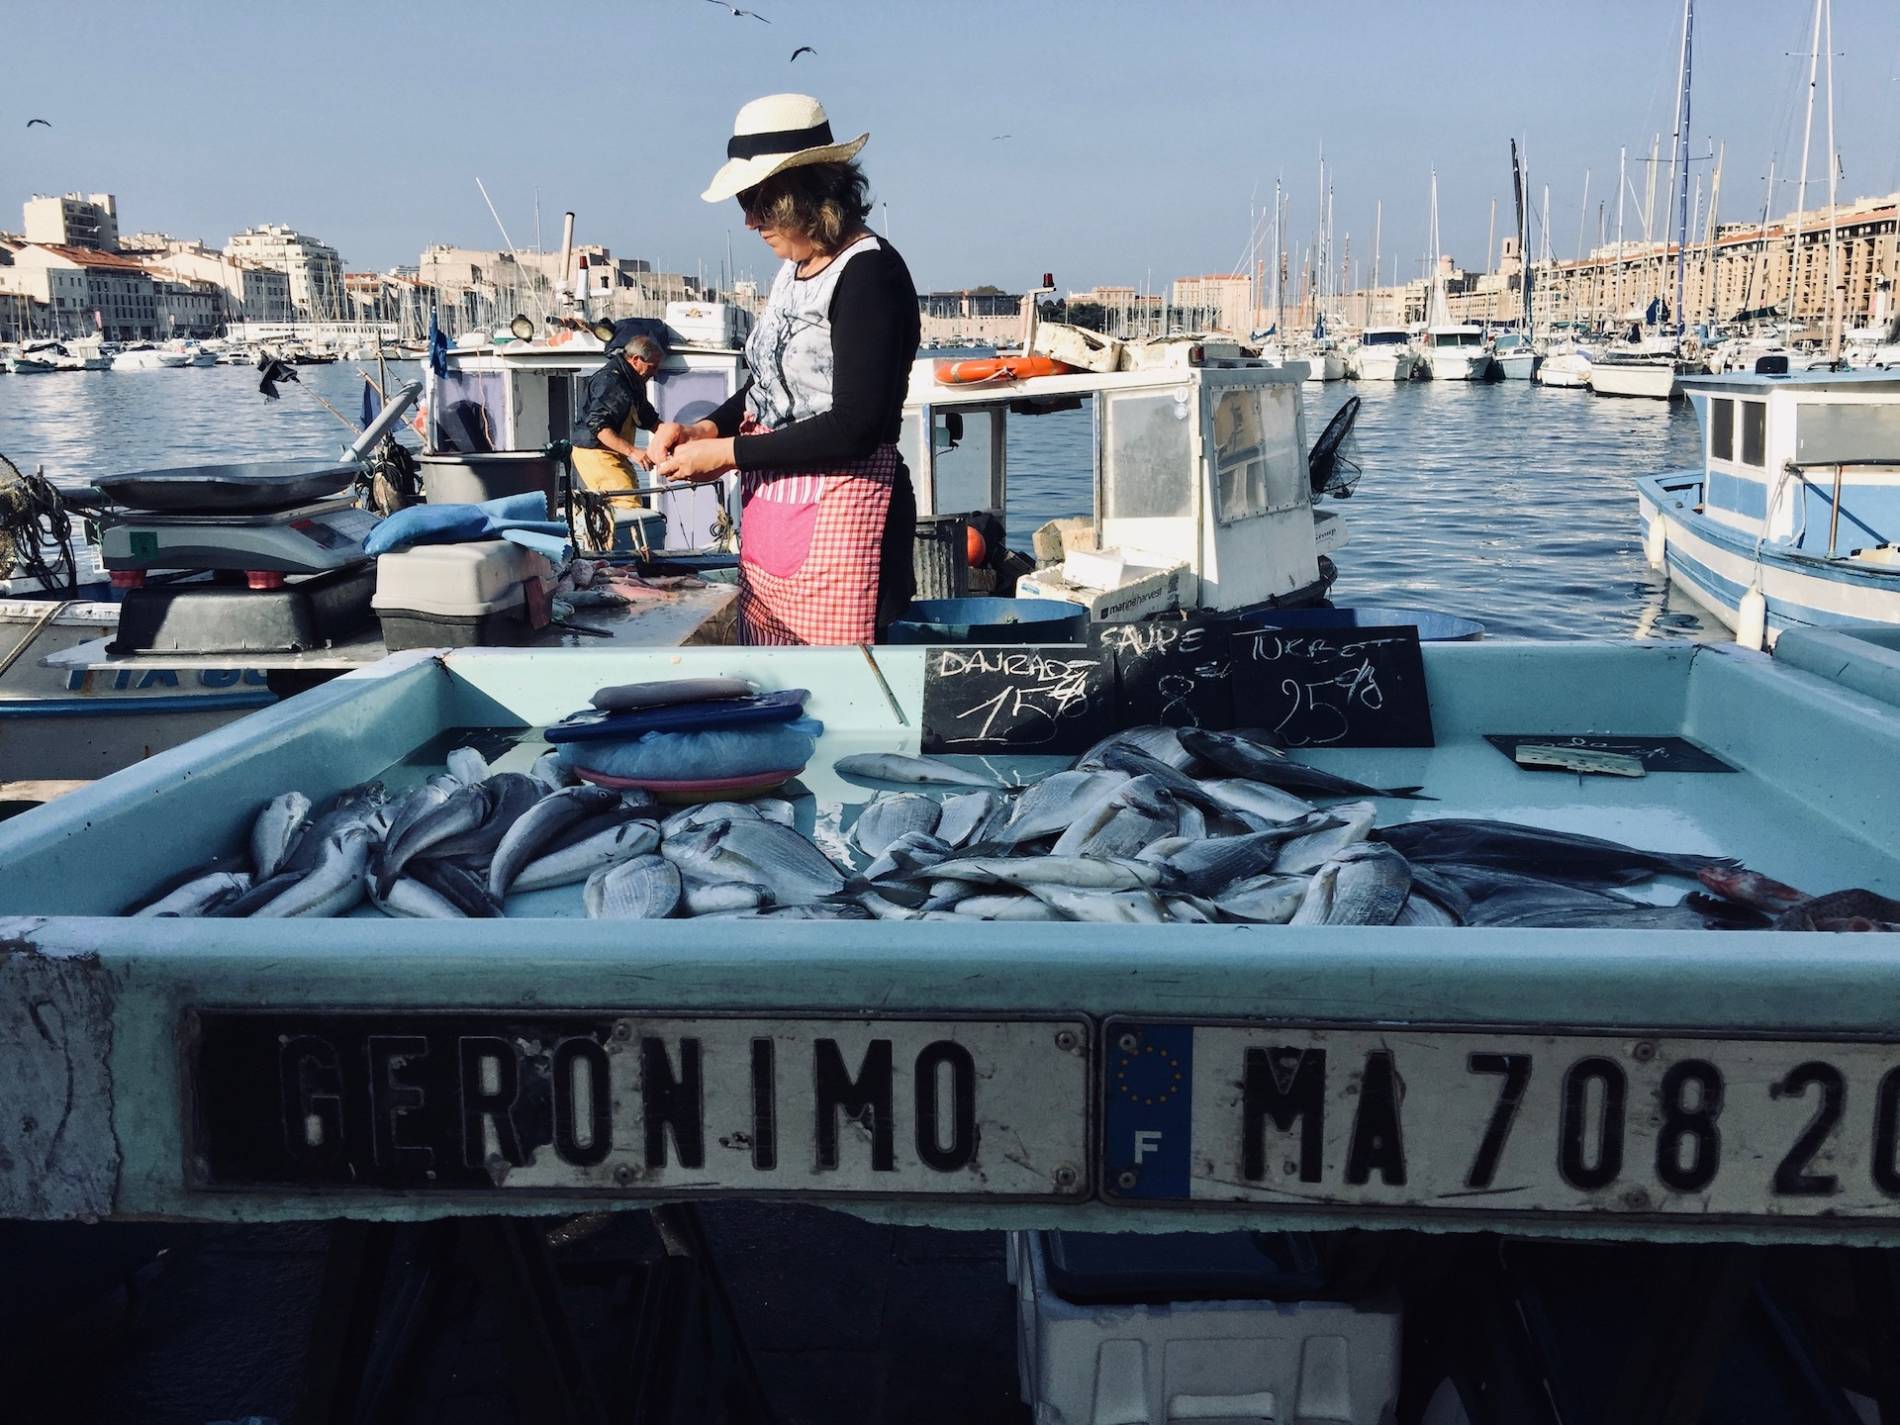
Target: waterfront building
<point>1214,301</point>
<point>251,293</point>
<point>314,269</point>
<point>82,220</point>
<point>86,291</point>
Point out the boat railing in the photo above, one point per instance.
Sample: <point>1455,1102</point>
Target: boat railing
<point>1799,468</point>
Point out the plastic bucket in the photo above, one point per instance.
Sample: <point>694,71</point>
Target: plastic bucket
<point>470,479</point>
<point>990,621</point>
<point>1433,627</point>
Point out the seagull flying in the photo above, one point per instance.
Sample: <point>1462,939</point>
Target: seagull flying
<point>739,14</point>
<point>803,49</point>
<point>46,122</point>
<point>998,138</point>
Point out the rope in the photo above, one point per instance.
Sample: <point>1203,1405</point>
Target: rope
<point>32,516</point>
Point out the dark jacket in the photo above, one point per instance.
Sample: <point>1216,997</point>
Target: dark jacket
<point>611,393</point>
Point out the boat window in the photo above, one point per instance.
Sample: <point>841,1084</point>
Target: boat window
<point>1383,339</point>
<point>1257,465</point>
<point>1848,433</point>
<point>961,442</point>
<point>470,414</point>
<point>1145,471</point>
<point>1722,430</point>
<point>1754,433</point>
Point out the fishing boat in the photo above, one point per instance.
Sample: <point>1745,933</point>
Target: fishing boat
<point>1383,354</point>
<point>1792,519</point>
<point>36,358</point>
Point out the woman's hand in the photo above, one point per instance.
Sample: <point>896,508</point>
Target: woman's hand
<point>696,461</point>
<point>666,435</point>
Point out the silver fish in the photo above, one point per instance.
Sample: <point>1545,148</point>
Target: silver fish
<point>1423,910</point>
<point>578,860</point>
<point>552,772</point>
<point>275,831</point>
<point>891,816</point>
<point>464,889</point>
<point>1213,862</point>
<point>1111,908</point>
<point>1258,799</point>
<point>1364,884</point>
<point>1062,872</point>
<point>532,831</point>
<point>1539,849</point>
<point>705,814</point>
<point>1248,757</point>
<point>1161,743</point>
<point>645,888</point>
<point>1056,802</point>
<point>1189,910</point>
<point>1267,899</point>
<point>1304,854</point>
<point>1126,833</point>
<point>913,851</point>
<point>1006,907</point>
<point>715,897</point>
<point>1190,821</point>
<point>467,766</point>
<point>915,771</point>
<point>201,895</point>
<point>1094,812</point>
<point>260,894</point>
<point>964,818</point>
<point>410,899</point>
<point>334,884</point>
<point>1122,757</point>
<point>512,795</point>
<point>884,908</point>
<point>759,852</point>
<point>364,805</point>
<point>775,809</point>
<point>461,810</point>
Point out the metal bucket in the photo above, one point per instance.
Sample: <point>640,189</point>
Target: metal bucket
<point>990,621</point>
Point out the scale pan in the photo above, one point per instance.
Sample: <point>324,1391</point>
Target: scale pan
<point>238,487</point>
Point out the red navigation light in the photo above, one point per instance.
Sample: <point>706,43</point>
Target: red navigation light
<point>1197,354</point>
<point>1048,279</point>
<point>264,578</point>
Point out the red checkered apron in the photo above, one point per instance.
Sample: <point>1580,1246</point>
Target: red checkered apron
<point>809,544</point>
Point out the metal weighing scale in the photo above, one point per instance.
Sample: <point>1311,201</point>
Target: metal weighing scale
<point>250,557</point>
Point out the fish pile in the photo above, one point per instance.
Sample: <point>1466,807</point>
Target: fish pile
<point>1151,826</point>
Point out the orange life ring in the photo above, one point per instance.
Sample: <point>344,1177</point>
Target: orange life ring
<point>998,368</point>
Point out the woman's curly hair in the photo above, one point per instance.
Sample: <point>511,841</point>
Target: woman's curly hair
<point>823,202</point>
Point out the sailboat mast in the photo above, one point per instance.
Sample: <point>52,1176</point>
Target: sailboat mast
<point>1807,137</point>
<point>1583,217</point>
<point>1622,183</point>
<point>1710,263</point>
<point>1523,236</point>
<point>1833,218</point>
<point>1682,149</point>
<point>1378,222</point>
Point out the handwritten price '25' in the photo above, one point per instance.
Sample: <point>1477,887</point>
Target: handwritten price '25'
<point>1322,709</point>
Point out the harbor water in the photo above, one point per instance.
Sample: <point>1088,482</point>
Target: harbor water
<point>1505,502</point>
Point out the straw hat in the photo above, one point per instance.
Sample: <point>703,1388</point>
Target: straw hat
<point>773,134</point>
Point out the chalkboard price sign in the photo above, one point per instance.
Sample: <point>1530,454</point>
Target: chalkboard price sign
<point>1357,687</point>
<point>1027,699</point>
<point>1175,672</point>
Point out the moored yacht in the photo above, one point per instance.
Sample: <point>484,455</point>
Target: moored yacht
<point>1384,354</point>
<point>144,356</point>
<point>1516,357</point>
<point>1456,353</point>
<point>1566,368</point>
<point>1649,367</point>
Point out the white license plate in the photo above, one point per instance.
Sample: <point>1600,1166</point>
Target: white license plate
<point>1499,1122</point>
<point>621,1104</point>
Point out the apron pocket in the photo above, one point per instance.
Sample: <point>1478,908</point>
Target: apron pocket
<point>775,536</point>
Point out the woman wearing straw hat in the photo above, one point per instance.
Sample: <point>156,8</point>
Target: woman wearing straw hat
<point>814,434</point>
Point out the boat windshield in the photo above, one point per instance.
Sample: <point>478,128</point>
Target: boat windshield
<point>1383,339</point>
<point>1457,339</point>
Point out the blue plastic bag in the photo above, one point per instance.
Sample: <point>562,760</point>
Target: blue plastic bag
<point>700,756</point>
<point>522,518</point>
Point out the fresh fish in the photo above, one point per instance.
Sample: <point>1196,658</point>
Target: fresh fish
<point>891,816</point>
<point>971,817</point>
<point>1110,908</point>
<point>775,809</point>
<point>578,860</point>
<point>1492,896</point>
<point>1006,907</point>
<point>1051,806</point>
<point>460,811</point>
<point>911,852</point>
<point>1148,813</point>
<point>1370,886</point>
<point>720,897</point>
<point>1257,799</point>
<point>1841,910</point>
<point>1751,888</point>
<point>1122,757</point>
<point>534,830</point>
<point>1266,899</point>
<point>645,888</point>
<point>260,894</point>
<point>1431,883</point>
<point>1424,910</point>
<point>705,814</point>
<point>1190,821</point>
<point>1164,744</point>
<point>815,910</point>
<point>1538,849</point>
<point>760,852</point>
<point>916,771</point>
<point>882,907</point>
<point>1258,762</point>
<point>410,899</point>
<point>1211,863</point>
<point>1305,854</point>
<point>333,885</point>
<point>202,895</point>
<point>467,766</point>
<point>552,772</point>
<point>1694,912</point>
<point>364,805</point>
<point>512,795</point>
<point>1190,910</point>
<point>1128,832</point>
<point>1032,873</point>
<point>275,831</point>
<point>464,889</point>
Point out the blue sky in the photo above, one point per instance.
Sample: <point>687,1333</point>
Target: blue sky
<point>1139,134</point>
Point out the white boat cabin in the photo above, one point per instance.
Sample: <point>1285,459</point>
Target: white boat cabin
<point>1810,461</point>
<point>1201,493</point>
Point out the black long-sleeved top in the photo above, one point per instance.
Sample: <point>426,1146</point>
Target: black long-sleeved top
<point>612,393</point>
<point>874,336</point>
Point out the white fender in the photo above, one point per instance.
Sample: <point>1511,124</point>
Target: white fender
<point>1751,620</point>
<point>1655,542</point>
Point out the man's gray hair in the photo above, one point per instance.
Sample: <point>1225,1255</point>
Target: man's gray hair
<point>646,348</point>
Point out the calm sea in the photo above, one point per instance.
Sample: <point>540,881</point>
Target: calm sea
<point>1504,502</point>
